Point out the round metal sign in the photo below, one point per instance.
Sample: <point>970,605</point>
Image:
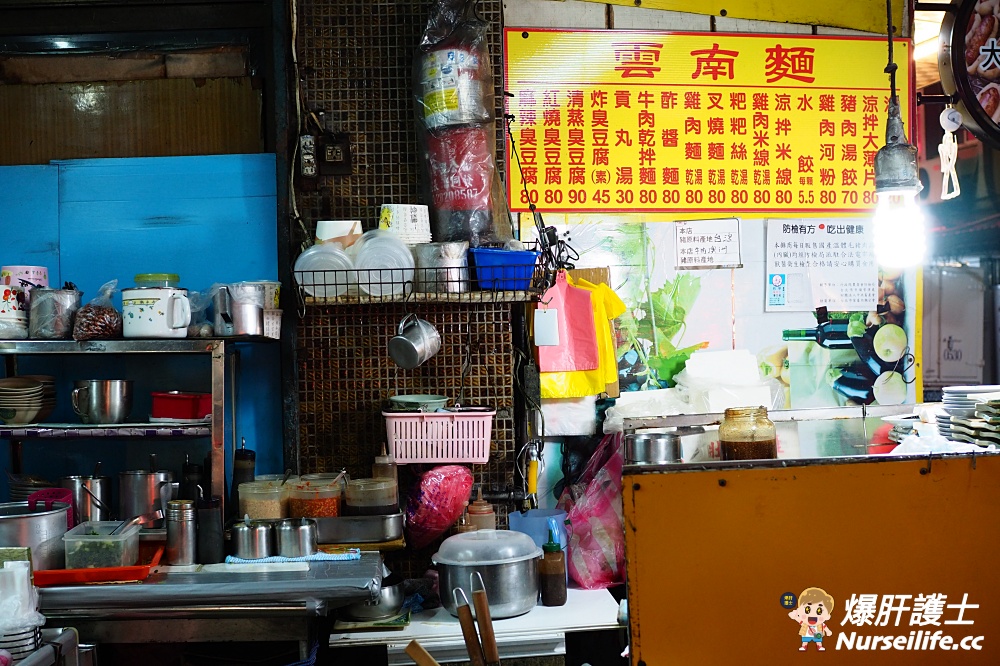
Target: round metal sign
<point>969,64</point>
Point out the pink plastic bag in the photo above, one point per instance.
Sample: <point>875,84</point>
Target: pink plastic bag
<point>577,348</point>
<point>596,548</point>
<point>436,503</point>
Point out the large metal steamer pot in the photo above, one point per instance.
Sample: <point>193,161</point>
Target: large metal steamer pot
<point>507,562</point>
<point>40,529</point>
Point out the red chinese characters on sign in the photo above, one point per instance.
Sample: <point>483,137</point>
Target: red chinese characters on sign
<point>790,63</point>
<point>714,62</point>
<point>638,60</point>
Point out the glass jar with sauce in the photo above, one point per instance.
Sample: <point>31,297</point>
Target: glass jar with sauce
<point>747,434</point>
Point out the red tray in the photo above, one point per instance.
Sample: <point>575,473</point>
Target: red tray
<point>149,554</point>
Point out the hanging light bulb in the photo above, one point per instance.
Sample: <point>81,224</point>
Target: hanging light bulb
<point>900,237</point>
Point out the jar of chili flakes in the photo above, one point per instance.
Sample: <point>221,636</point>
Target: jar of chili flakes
<point>309,499</point>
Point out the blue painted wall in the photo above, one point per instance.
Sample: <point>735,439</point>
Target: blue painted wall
<point>207,218</point>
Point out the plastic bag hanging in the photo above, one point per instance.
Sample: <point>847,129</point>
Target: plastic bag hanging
<point>453,91</point>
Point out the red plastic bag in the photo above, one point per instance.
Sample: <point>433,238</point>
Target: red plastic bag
<point>596,534</point>
<point>577,348</point>
<point>436,503</point>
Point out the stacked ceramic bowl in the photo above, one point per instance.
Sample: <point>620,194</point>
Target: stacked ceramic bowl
<point>20,400</point>
<point>959,403</point>
<point>48,383</point>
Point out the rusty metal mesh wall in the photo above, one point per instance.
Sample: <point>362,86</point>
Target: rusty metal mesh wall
<point>355,70</point>
<point>355,61</point>
<point>346,378</point>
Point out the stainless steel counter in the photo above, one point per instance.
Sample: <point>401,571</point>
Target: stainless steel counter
<point>216,606</point>
<point>335,583</point>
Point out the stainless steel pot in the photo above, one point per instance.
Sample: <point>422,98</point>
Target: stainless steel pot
<point>657,448</point>
<point>507,562</point>
<point>40,529</point>
<point>91,496</point>
<point>511,588</point>
<point>140,492</point>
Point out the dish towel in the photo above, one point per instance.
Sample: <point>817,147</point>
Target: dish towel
<point>351,554</point>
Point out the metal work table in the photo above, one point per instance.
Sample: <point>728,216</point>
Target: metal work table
<point>208,607</point>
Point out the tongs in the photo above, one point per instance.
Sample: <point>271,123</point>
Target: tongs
<point>468,624</point>
<point>144,518</point>
<point>483,619</point>
<point>488,652</point>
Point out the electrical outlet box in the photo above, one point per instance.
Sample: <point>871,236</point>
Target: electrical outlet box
<point>333,154</point>
<point>307,156</point>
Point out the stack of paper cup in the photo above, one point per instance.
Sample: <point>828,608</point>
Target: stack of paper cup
<point>411,223</point>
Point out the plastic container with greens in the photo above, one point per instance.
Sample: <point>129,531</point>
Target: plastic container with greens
<point>91,545</point>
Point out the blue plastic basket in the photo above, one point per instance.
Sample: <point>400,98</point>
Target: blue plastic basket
<point>502,270</point>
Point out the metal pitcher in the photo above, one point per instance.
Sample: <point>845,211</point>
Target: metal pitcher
<point>239,309</point>
<point>139,493</point>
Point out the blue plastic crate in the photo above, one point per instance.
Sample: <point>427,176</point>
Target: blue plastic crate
<point>502,270</point>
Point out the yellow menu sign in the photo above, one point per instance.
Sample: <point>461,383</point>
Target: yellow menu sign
<point>772,125</point>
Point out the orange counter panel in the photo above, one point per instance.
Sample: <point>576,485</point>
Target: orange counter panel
<point>711,554</point>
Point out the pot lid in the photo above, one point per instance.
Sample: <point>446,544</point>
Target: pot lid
<point>483,547</point>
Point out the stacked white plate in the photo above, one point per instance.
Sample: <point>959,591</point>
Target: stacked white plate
<point>20,400</point>
<point>944,424</point>
<point>961,401</point>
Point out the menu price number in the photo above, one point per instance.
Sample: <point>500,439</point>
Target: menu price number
<point>670,197</point>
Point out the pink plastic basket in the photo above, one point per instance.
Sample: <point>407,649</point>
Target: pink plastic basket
<point>439,437</point>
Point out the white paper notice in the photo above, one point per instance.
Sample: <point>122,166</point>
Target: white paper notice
<point>708,244</point>
<point>820,262</point>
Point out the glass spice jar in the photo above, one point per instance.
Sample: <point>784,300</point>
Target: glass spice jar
<point>747,434</point>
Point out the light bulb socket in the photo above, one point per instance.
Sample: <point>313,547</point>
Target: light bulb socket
<point>896,162</point>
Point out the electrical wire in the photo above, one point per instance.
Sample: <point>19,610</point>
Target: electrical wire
<point>294,20</point>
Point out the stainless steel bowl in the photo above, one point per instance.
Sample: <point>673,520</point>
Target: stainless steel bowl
<point>388,603</point>
<point>657,448</point>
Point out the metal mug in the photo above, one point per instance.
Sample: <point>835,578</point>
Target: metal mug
<point>52,312</point>
<point>239,309</point>
<point>139,493</point>
<point>91,497</point>
<point>415,342</point>
<point>102,400</point>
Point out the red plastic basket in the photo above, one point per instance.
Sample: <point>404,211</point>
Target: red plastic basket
<point>439,437</point>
